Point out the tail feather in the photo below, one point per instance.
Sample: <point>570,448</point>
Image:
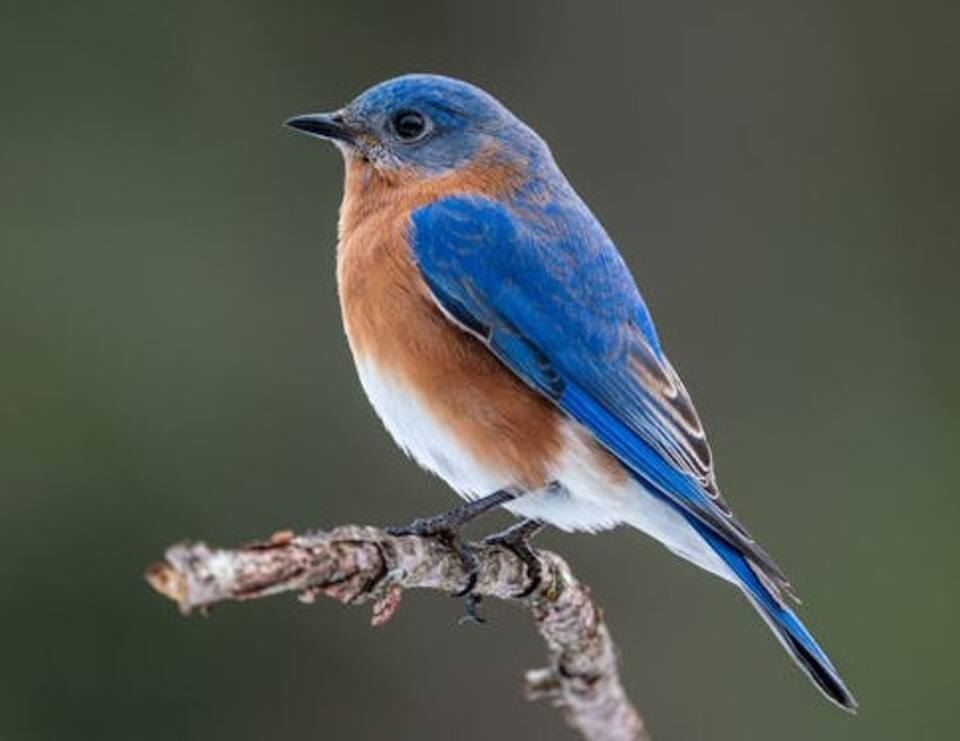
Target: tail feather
<point>784,623</point>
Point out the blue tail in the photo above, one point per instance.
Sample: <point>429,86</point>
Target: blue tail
<point>783,622</point>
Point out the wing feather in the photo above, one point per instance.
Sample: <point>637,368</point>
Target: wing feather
<point>554,301</point>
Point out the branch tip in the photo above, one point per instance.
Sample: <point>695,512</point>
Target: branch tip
<point>166,580</point>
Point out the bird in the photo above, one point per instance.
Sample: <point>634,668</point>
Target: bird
<point>503,342</point>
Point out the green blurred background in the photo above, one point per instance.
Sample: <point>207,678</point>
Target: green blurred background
<point>782,178</point>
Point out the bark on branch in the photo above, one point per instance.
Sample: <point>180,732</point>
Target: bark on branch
<point>355,565</point>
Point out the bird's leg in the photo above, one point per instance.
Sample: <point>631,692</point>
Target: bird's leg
<point>446,528</point>
<point>516,539</point>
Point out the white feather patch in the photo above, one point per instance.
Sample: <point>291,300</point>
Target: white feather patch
<point>421,436</point>
<point>586,497</point>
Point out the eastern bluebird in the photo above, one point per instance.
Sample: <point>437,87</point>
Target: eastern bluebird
<point>503,342</point>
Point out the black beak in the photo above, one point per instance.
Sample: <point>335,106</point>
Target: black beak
<point>323,125</point>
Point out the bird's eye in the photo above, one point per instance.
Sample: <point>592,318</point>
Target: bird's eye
<point>409,125</point>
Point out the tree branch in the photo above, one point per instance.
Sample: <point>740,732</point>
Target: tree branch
<point>363,564</point>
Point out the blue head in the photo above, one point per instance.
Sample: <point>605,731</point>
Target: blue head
<point>427,123</point>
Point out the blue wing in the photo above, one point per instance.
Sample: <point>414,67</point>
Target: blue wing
<point>552,298</point>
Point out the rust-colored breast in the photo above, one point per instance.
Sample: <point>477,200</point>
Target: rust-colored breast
<point>392,321</point>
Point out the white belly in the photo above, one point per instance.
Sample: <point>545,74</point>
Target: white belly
<point>586,497</point>
<point>421,436</point>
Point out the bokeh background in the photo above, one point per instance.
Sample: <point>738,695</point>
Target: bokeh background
<point>781,176</point>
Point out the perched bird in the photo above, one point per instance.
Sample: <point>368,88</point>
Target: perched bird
<point>502,340</point>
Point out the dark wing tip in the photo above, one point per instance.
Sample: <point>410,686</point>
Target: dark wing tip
<point>826,681</point>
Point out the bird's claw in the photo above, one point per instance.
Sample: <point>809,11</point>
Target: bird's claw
<point>439,529</point>
<point>516,539</point>
<point>446,528</point>
<point>471,603</point>
<point>469,560</point>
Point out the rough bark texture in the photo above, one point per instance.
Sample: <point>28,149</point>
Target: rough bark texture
<point>363,564</point>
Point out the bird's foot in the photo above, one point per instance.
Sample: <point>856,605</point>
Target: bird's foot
<point>516,539</point>
<point>471,603</point>
<point>446,528</point>
<point>438,529</point>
